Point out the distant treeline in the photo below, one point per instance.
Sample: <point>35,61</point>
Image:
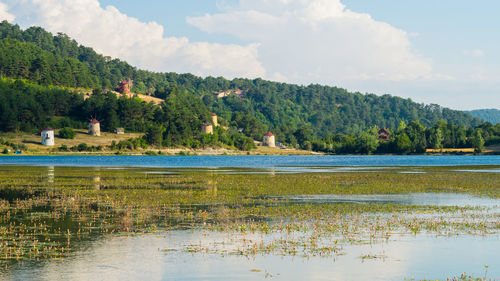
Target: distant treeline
<point>488,115</point>
<point>285,109</point>
<point>27,107</point>
<point>409,138</point>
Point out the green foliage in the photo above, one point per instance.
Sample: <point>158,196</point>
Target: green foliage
<point>316,117</point>
<point>366,143</point>
<point>5,151</point>
<point>130,144</point>
<point>488,115</point>
<point>67,133</point>
<point>478,141</point>
<point>63,148</point>
<point>82,147</point>
<point>403,143</point>
<point>154,135</point>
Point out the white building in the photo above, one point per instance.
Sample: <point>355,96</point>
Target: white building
<point>48,136</point>
<point>269,140</point>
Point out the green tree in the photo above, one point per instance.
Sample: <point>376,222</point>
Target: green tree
<point>403,143</point>
<point>478,141</point>
<point>366,143</point>
<point>154,135</point>
<point>437,138</point>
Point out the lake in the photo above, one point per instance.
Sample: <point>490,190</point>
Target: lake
<point>249,217</point>
<point>278,162</point>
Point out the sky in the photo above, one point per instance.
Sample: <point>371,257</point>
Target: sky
<point>442,52</point>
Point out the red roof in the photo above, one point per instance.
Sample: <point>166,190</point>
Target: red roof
<point>213,114</point>
<point>48,129</point>
<point>94,121</point>
<point>269,134</point>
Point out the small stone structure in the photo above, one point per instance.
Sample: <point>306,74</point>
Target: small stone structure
<point>120,131</point>
<point>268,140</point>
<point>383,134</point>
<point>223,94</point>
<point>124,87</point>
<point>207,128</point>
<point>48,136</point>
<point>214,119</point>
<point>94,127</point>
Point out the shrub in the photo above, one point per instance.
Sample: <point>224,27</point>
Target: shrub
<point>67,133</point>
<point>63,148</point>
<point>82,147</point>
<point>19,146</point>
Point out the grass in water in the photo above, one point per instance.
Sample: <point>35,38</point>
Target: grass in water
<point>47,212</point>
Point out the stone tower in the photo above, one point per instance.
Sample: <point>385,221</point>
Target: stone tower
<point>207,128</point>
<point>94,127</point>
<point>124,87</point>
<point>269,140</point>
<point>48,136</point>
<point>214,120</point>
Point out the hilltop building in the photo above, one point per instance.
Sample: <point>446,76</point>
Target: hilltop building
<point>207,128</point>
<point>223,94</point>
<point>94,127</point>
<point>48,136</point>
<point>214,120</point>
<point>124,87</point>
<point>268,140</point>
<point>383,134</point>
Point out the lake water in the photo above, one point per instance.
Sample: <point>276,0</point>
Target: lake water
<point>420,199</point>
<point>279,162</point>
<point>403,257</point>
<point>142,258</point>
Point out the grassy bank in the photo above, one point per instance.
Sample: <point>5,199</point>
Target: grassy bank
<point>33,145</point>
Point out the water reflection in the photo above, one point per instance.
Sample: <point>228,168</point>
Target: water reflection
<point>143,258</point>
<point>421,199</point>
<point>96,178</point>
<point>50,174</point>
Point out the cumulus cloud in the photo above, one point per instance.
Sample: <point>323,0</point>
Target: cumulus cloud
<point>115,34</point>
<point>320,41</point>
<point>4,14</point>
<point>473,53</point>
<point>299,41</point>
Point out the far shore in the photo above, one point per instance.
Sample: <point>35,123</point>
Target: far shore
<point>34,147</point>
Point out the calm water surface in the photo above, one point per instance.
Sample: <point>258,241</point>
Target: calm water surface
<point>142,258</point>
<point>250,161</point>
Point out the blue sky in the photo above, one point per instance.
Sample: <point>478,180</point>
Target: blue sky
<point>441,52</point>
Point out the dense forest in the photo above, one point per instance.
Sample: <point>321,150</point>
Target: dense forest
<point>316,117</point>
<point>488,115</point>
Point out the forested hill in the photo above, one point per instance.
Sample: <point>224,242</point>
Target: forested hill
<point>489,115</point>
<point>287,110</point>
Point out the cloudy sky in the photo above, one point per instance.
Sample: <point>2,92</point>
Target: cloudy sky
<point>441,52</point>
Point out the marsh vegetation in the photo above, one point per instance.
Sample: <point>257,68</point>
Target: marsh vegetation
<point>50,212</point>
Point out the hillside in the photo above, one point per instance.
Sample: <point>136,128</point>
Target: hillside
<point>488,115</point>
<point>39,56</point>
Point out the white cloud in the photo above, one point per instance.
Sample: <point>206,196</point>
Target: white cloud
<point>473,53</point>
<point>4,14</point>
<point>299,41</point>
<point>115,34</point>
<point>320,41</point>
